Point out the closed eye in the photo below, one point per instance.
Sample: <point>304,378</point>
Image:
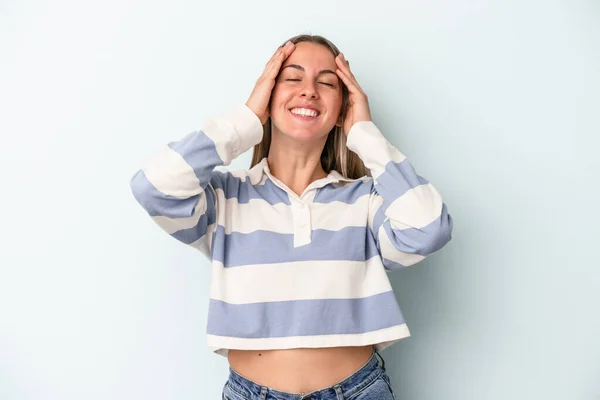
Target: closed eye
<point>324,83</point>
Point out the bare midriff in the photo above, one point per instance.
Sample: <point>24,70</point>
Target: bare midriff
<point>300,370</point>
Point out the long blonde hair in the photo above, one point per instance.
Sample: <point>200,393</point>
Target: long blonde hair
<point>335,155</point>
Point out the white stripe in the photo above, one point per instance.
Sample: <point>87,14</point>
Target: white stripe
<point>365,139</point>
<point>258,214</point>
<point>205,242</point>
<point>222,133</point>
<point>171,175</point>
<point>172,225</point>
<point>376,203</point>
<point>416,208</point>
<point>296,281</point>
<point>391,253</point>
<point>382,338</point>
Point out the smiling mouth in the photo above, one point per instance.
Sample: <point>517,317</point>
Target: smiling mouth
<point>303,117</point>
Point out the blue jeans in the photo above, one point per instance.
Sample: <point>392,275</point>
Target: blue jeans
<point>369,382</point>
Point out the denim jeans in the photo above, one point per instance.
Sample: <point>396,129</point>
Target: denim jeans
<point>369,382</point>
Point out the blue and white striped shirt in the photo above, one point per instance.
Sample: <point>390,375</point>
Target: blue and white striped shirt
<point>294,271</point>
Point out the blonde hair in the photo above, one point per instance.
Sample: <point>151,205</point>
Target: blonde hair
<point>335,155</point>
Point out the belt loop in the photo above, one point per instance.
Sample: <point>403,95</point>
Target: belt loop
<point>338,392</point>
<point>263,393</point>
<point>382,360</point>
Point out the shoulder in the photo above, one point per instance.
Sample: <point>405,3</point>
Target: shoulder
<point>345,190</point>
<point>235,181</point>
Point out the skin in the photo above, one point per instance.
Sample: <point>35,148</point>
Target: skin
<point>294,154</point>
<point>296,146</point>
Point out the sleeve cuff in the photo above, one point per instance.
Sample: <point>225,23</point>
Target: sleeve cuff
<point>360,137</point>
<point>247,126</point>
<point>367,141</point>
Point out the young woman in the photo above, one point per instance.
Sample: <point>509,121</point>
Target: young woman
<point>300,243</point>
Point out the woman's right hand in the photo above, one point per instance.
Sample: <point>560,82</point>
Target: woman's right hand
<point>261,94</point>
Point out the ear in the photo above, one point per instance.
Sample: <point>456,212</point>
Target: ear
<point>339,121</point>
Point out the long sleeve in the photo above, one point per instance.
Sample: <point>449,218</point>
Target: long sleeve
<point>407,216</point>
<point>178,186</point>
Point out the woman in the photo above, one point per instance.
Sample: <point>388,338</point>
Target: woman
<point>301,242</point>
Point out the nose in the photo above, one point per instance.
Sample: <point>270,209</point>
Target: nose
<point>309,90</point>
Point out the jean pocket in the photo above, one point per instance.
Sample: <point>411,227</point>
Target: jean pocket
<point>230,393</point>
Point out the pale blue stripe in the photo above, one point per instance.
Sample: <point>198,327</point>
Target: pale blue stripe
<point>304,317</point>
<point>396,180</point>
<point>392,265</point>
<point>244,190</point>
<point>378,219</point>
<point>348,194</point>
<point>265,247</point>
<point>199,151</point>
<point>190,235</point>
<point>157,203</point>
<point>423,241</point>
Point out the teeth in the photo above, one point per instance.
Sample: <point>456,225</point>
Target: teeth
<point>304,111</point>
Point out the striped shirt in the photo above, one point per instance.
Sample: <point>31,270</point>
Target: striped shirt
<point>292,270</point>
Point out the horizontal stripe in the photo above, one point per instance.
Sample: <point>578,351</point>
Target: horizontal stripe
<point>381,338</point>
<point>347,194</point>
<point>417,208</point>
<point>260,215</point>
<point>365,139</point>
<point>397,179</point>
<point>171,175</point>
<point>423,241</point>
<point>243,190</point>
<point>264,247</point>
<point>157,203</point>
<point>289,281</point>
<point>304,317</point>
<point>234,132</point>
<point>199,152</point>
<point>390,252</point>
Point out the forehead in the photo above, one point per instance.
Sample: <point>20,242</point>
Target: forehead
<point>311,56</point>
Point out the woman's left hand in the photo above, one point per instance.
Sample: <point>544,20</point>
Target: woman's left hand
<point>358,108</point>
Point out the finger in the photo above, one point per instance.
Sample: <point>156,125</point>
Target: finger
<point>275,67</point>
<point>346,79</point>
<point>270,71</point>
<point>285,49</point>
<point>276,53</point>
<point>350,82</point>
<point>274,56</point>
<point>344,65</point>
<point>280,55</point>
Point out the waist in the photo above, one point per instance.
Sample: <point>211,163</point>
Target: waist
<point>301,369</point>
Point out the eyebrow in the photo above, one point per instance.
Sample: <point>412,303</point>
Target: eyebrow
<point>301,68</point>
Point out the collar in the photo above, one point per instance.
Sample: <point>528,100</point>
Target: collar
<point>257,173</point>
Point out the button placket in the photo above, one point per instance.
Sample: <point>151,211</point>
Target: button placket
<point>302,225</point>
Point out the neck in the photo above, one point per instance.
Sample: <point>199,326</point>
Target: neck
<point>295,163</point>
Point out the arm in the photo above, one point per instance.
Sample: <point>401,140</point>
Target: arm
<point>177,187</point>
<point>406,213</point>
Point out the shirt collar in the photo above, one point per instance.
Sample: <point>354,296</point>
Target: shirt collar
<point>262,167</point>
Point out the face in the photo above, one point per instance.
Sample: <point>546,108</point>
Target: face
<point>307,80</point>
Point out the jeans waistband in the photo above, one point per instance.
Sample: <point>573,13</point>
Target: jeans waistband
<point>370,371</point>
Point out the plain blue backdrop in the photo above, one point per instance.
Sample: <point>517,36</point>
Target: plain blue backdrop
<point>495,102</point>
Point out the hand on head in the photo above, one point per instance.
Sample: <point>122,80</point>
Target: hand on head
<point>261,94</point>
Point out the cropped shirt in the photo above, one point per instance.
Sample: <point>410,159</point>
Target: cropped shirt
<point>292,270</point>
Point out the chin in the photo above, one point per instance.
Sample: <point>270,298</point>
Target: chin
<point>299,132</point>
<point>304,133</point>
